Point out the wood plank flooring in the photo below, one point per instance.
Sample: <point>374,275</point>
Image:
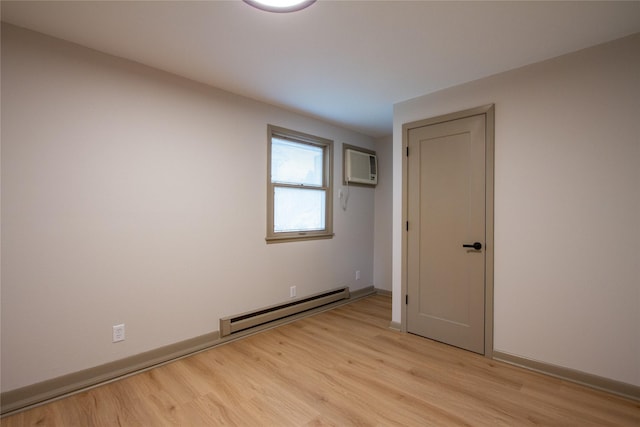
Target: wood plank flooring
<point>339,368</point>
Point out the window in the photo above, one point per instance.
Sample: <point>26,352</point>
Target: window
<point>299,186</point>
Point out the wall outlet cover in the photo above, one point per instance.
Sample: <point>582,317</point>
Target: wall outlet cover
<point>118,332</point>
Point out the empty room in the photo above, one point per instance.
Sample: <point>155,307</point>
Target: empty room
<point>407,213</point>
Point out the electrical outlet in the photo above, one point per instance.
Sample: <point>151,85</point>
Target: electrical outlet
<point>357,274</point>
<point>118,332</point>
<point>292,291</point>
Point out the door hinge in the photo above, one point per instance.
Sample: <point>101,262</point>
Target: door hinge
<point>407,225</point>
<point>407,151</point>
<point>406,299</point>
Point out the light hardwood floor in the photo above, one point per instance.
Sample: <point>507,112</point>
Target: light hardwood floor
<point>338,368</point>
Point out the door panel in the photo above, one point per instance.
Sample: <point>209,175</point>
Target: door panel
<point>446,209</point>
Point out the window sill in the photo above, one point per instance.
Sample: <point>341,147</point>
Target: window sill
<point>297,238</point>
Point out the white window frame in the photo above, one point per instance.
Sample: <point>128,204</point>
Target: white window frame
<point>327,186</point>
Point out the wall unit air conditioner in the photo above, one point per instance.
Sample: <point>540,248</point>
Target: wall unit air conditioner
<point>360,167</point>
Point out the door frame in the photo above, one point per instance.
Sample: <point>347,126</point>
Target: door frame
<point>489,113</point>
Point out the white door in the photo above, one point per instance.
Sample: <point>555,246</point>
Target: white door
<point>446,232</point>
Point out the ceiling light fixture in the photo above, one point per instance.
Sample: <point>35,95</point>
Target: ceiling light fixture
<point>280,6</point>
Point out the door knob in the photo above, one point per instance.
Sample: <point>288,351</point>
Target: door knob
<point>477,246</point>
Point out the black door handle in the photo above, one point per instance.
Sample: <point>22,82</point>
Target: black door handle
<point>477,246</point>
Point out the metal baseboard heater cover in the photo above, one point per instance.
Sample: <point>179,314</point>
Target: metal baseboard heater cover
<point>232,324</point>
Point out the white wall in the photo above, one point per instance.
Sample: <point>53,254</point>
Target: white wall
<point>383,215</point>
<point>131,195</point>
<point>567,206</point>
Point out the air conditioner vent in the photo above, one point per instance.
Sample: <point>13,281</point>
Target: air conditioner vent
<point>361,167</point>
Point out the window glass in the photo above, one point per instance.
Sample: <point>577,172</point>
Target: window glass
<point>296,163</point>
<point>299,183</point>
<point>298,209</point>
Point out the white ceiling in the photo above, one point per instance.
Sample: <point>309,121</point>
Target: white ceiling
<point>346,62</point>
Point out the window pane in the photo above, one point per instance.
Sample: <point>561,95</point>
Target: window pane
<point>295,163</point>
<point>298,209</point>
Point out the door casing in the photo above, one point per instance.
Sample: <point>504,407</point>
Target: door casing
<point>489,113</point>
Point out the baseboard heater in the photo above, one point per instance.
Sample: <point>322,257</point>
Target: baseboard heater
<point>233,324</point>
